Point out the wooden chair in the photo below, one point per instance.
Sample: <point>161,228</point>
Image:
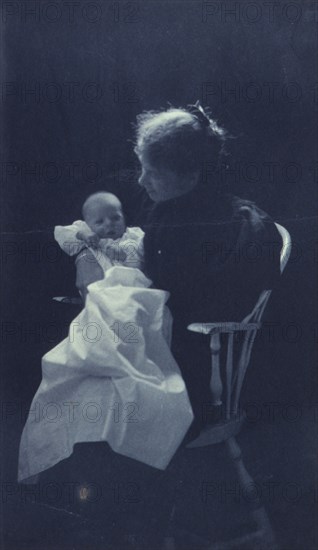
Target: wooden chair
<point>233,374</point>
<point>226,384</point>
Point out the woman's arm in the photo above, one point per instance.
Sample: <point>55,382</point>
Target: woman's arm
<point>88,271</point>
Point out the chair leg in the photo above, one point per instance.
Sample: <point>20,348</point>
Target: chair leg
<point>264,533</point>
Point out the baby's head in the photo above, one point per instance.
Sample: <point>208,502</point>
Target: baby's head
<point>103,214</point>
<point>173,147</point>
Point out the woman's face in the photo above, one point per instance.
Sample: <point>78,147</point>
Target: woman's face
<point>160,183</point>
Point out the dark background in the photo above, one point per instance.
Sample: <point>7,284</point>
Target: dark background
<point>122,59</point>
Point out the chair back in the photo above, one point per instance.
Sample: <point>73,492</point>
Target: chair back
<point>226,382</point>
<point>258,310</point>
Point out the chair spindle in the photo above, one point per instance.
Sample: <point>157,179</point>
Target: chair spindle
<point>216,381</point>
<point>229,370</point>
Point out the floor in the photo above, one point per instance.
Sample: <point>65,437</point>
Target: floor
<point>209,504</point>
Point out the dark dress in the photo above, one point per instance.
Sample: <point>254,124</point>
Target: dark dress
<point>214,253</point>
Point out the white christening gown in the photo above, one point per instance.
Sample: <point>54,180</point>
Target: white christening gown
<point>112,379</point>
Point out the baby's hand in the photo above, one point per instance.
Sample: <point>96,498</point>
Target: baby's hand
<point>115,252</point>
<point>90,239</point>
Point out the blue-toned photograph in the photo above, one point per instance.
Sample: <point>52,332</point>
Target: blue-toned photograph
<point>159,275</point>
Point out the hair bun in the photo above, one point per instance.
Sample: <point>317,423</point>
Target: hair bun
<point>200,113</point>
<point>207,123</point>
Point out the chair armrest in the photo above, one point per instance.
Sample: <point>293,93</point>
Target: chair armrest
<point>214,328</point>
<point>68,300</point>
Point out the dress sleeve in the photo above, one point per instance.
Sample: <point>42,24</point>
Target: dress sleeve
<point>132,245</point>
<point>65,236</point>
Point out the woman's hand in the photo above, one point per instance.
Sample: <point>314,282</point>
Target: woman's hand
<point>116,253</point>
<point>90,239</point>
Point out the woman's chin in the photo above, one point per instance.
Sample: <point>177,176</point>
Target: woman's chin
<point>153,196</point>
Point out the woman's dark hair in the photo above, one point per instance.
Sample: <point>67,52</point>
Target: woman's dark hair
<point>179,139</point>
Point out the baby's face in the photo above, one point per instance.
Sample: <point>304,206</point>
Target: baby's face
<point>106,220</point>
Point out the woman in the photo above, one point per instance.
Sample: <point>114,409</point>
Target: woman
<point>213,252</point>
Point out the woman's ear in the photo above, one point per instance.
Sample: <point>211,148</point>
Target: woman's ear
<point>189,181</point>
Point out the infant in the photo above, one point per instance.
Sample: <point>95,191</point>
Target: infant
<point>104,232</point>
<point>129,363</point>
